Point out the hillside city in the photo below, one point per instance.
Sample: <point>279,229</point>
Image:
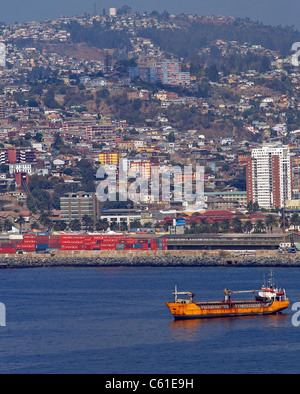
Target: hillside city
<point>80,92</point>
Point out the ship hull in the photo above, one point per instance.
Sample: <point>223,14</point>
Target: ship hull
<point>193,310</point>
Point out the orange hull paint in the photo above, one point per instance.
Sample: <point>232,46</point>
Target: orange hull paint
<point>200,310</point>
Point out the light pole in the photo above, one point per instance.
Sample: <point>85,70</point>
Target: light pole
<point>129,217</point>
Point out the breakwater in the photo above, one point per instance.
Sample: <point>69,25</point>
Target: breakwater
<point>161,260</point>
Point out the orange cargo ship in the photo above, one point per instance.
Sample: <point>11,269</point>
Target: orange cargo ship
<point>270,300</point>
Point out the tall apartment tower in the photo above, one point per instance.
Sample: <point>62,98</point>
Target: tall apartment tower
<point>269,176</point>
<point>2,55</point>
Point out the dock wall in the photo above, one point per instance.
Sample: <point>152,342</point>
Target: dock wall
<point>150,259</point>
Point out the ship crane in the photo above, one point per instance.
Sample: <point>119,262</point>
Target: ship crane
<point>185,293</point>
<point>227,293</point>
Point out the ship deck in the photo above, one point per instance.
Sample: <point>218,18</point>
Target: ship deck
<point>233,304</point>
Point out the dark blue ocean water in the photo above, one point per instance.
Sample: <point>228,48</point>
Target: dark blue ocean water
<point>114,320</point>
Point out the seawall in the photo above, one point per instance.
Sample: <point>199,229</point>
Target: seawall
<point>150,259</point>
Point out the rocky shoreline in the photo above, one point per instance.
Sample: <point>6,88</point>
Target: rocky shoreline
<point>149,261</point>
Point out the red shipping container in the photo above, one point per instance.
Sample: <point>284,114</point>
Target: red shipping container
<point>69,248</point>
<point>42,242</point>
<point>29,237</point>
<point>63,236</point>
<point>16,241</point>
<point>6,250</point>
<point>72,243</point>
<point>7,245</point>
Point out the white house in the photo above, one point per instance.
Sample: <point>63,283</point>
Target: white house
<point>21,167</point>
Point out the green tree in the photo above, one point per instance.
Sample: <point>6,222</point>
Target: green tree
<point>123,226</point>
<point>35,226</point>
<point>102,225</point>
<point>60,226</point>
<point>88,222</point>
<point>136,224</point>
<point>250,206</point>
<point>295,220</point>
<point>225,225</point>
<point>259,226</point>
<point>21,221</point>
<point>255,207</point>
<point>114,226</point>
<point>212,73</point>
<point>48,224</point>
<point>247,227</point>
<point>75,225</point>
<point>270,222</point>
<point>215,227</point>
<point>49,100</point>
<point>237,225</point>
<point>7,225</point>
<point>171,137</point>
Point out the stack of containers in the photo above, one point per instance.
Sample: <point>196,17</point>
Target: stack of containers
<point>96,242</point>
<point>54,242</point>
<point>125,243</point>
<point>153,244</point>
<point>159,244</point>
<point>29,243</point>
<point>88,243</point>
<point>7,248</point>
<point>72,242</point>
<point>42,242</point>
<point>164,244</point>
<point>109,243</point>
<point>139,244</point>
<point>16,239</point>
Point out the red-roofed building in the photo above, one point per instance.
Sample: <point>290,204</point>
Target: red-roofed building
<point>218,215</point>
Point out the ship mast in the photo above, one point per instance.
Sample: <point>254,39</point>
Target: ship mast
<point>271,279</point>
<point>283,217</point>
<point>186,293</point>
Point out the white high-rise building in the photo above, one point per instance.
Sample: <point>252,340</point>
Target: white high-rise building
<point>269,176</point>
<point>112,12</point>
<point>2,55</point>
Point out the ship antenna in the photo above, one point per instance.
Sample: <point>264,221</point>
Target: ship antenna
<point>271,280</point>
